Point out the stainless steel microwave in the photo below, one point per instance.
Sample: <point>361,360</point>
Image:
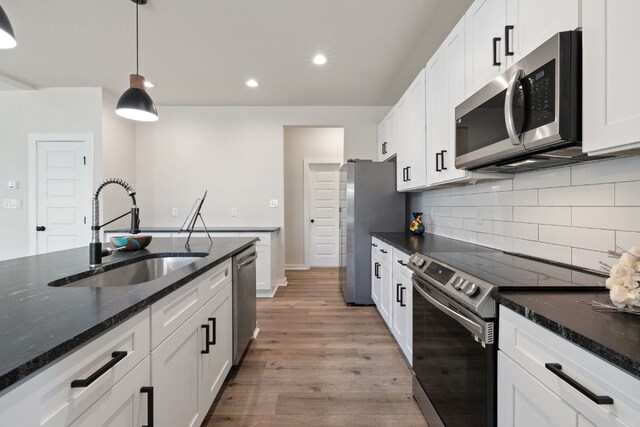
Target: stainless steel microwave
<point>530,116</point>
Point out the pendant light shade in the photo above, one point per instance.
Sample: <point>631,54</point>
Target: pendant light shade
<point>7,37</point>
<point>135,103</point>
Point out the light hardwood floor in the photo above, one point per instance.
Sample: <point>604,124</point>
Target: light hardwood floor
<point>318,362</point>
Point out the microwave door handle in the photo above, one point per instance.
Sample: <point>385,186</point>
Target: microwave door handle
<point>514,136</point>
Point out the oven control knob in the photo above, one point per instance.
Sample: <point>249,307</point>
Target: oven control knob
<point>419,262</point>
<point>471,289</point>
<point>460,286</point>
<point>457,283</point>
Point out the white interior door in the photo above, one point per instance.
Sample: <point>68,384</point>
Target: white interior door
<point>324,217</point>
<point>62,194</point>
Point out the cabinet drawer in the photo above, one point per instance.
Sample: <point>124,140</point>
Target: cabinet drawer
<point>383,249</point>
<point>265,238</point>
<point>215,280</point>
<point>47,399</point>
<point>400,258</point>
<point>531,346</point>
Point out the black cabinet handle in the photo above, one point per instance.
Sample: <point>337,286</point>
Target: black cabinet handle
<point>404,264</point>
<point>508,29</point>
<point>206,339</point>
<point>374,245</point>
<point>402,304</point>
<point>213,329</point>
<point>116,357</point>
<point>40,228</point>
<point>384,148</point>
<point>398,291</point>
<point>383,251</point>
<point>438,162</point>
<point>408,173</point>
<point>442,153</point>
<point>556,368</point>
<point>404,174</point>
<point>313,221</point>
<point>149,392</point>
<point>495,52</point>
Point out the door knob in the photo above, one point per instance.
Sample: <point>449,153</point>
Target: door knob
<point>313,220</point>
<point>41,228</point>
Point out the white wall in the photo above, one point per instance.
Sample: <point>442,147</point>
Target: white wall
<point>573,215</point>
<point>119,160</point>
<point>302,143</point>
<point>55,110</point>
<point>236,153</point>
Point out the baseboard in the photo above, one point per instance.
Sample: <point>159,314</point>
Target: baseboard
<point>283,282</point>
<point>266,294</point>
<point>296,267</point>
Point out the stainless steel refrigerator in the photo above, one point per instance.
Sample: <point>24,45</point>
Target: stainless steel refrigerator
<point>368,202</point>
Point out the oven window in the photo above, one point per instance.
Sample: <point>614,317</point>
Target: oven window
<point>454,370</point>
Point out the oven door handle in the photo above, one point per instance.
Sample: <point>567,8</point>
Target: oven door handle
<point>470,325</point>
<point>514,136</point>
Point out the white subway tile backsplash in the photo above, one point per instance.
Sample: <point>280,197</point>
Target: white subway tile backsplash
<point>615,218</point>
<point>627,239</point>
<point>516,229</point>
<point>584,238</point>
<point>627,193</point>
<point>495,186</point>
<point>590,259</point>
<point>617,170</point>
<point>543,250</point>
<point>464,235</point>
<point>584,195</point>
<point>485,226</point>
<point>572,214</point>
<point>543,215</point>
<point>516,198</point>
<point>560,177</point>
<point>476,199</point>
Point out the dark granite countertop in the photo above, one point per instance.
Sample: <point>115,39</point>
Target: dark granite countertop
<point>238,229</point>
<point>613,336</point>
<point>40,323</point>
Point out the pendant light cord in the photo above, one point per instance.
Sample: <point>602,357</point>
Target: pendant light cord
<point>137,42</point>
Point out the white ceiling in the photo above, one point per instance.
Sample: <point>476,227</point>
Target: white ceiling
<point>201,52</point>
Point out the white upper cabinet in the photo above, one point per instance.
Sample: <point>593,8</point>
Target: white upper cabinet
<point>485,21</point>
<point>436,115</point>
<point>410,131</point>
<point>387,136</point>
<point>611,64</point>
<point>532,22</point>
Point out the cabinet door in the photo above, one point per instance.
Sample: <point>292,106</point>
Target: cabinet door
<point>385,306</point>
<point>124,405</point>
<point>611,64</point>
<point>403,144</point>
<point>484,21</point>
<point>524,402</point>
<point>382,139</point>
<point>375,277</point>
<point>417,137</point>
<point>217,363</point>
<point>534,22</point>
<point>436,115</point>
<point>398,321</point>
<point>174,374</point>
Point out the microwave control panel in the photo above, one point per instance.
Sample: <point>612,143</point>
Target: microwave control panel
<point>539,89</point>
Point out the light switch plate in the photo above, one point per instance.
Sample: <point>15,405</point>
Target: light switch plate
<point>12,185</point>
<point>234,211</point>
<point>273,203</point>
<point>174,212</point>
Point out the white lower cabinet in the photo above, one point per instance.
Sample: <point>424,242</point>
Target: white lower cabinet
<point>375,276</point>
<point>535,370</point>
<point>188,368</point>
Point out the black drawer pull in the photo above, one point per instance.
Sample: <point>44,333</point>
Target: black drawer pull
<point>398,291</point>
<point>383,251</point>
<point>495,52</point>
<point>404,264</point>
<point>374,245</point>
<point>206,339</point>
<point>149,392</point>
<point>438,162</point>
<point>508,29</point>
<point>213,328</point>
<point>556,368</point>
<point>116,356</point>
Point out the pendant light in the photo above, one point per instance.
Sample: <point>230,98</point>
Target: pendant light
<point>135,103</point>
<point>7,38</point>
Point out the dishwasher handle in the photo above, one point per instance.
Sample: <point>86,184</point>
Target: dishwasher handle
<point>246,261</point>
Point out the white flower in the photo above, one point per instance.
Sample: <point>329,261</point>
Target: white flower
<point>619,272</point>
<point>619,296</point>
<point>635,251</point>
<point>610,283</point>
<point>628,260</point>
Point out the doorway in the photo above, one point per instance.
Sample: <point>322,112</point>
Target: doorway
<point>60,182</point>
<point>323,149</point>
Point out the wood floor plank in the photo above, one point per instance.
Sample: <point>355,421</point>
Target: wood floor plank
<point>318,362</point>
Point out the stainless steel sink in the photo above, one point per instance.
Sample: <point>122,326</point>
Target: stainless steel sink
<point>130,274</point>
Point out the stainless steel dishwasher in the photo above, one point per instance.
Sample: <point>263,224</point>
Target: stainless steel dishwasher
<point>244,301</point>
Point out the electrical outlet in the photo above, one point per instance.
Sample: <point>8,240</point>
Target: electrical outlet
<point>273,203</point>
<point>234,211</point>
<point>479,216</point>
<point>174,212</point>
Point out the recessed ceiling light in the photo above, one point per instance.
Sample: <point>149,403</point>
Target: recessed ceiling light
<point>319,59</point>
<point>252,83</point>
<point>147,83</point>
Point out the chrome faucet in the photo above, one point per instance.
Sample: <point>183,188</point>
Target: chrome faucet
<point>95,247</point>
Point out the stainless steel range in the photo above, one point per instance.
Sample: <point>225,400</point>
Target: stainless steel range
<point>455,324</point>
